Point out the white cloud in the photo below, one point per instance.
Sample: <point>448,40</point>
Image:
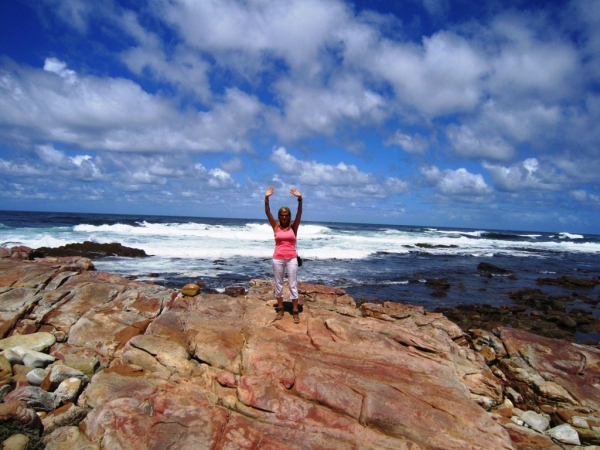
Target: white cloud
<point>342,180</point>
<point>531,59</point>
<point>441,76</point>
<point>180,66</point>
<point>74,13</point>
<point>323,110</point>
<point>415,143</point>
<point>294,30</point>
<point>528,175</point>
<point>116,114</point>
<point>457,184</point>
<point>233,165</point>
<point>467,143</point>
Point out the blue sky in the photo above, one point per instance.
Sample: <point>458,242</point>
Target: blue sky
<point>414,112</point>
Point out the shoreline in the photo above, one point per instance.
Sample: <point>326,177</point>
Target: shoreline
<point>571,315</point>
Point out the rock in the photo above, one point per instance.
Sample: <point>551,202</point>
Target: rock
<point>190,290</point>
<point>36,376</point>
<point>92,250</point>
<point>25,356</point>
<point>34,396</point>
<point>68,437</point>
<point>68,390</point>
<point>38,342</point>
<point>526,439</point>
<point>4,390</point>
<point>5,370</point>
<point>536,421</point>
<point>439,284</point>
<point>235,291</point>
<point>59,373</point>
<point>534,359</point>
<point>171,355</point>
<point>491,268</point>
<point>564,433</point>
<point>31,358</point>
<point>67,415</point>
<point>87,366</point>
<point>212,370</point>
<point>12,357</point>
<point>569,282</point>
<point>16,442</point>
<point>19,411</point>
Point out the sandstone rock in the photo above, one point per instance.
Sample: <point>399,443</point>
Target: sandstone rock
<point>571,367</point>
<point>67,391</point>
<point>171,355</point>
<point>68,437</point>
<point>37,341</point>
<point>215,370</point>
<point>14,304</point>
<point>5,370</point>
<point>67,415</point>
<point>87,366</point>
<point>19,410</point>
<point>190,290</point>
<point>16,442</point>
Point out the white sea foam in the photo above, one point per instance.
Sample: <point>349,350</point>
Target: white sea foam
<point>569,236</point>
<point>211,240</point>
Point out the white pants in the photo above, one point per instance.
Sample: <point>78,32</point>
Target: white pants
<point>291,267</point>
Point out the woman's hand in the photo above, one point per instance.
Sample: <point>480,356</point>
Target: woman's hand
<point>270,191</point>
<point>295,192</point>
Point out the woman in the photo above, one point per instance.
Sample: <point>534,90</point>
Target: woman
<point>284,257</point>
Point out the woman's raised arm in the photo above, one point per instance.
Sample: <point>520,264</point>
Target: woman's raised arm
<point>298,217</point>
<point>272,220</point>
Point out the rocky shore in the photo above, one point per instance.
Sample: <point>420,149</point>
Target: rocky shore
<point>534,309</point>
<point>92,360</point>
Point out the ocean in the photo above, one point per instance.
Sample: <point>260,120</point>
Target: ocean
<point>371,262</point>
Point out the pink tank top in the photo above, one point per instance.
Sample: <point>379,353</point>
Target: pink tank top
<point>285,244</point>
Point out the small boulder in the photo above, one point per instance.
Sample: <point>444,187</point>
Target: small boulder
<point>564,433</point>
<point>67,415</point>
<point>87,366</point>
<point>60,373</point>
<point>68,390</point>
<point>38,342</point>
<point>535,421</point>
<point>16,442</point>
<point>32,358</point>
<point>34,396</point>
<point>36,376</point>
<point>5,370</point>
<point>235,291</point>
<point>190,290</point>
<point>491,268</point>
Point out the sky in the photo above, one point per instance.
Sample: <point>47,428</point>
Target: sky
<point>412,112</point>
